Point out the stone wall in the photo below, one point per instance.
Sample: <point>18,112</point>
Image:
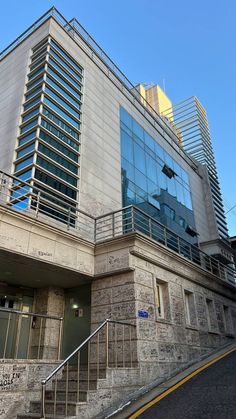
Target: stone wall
<point>20,384</point>
<point>194,314</point>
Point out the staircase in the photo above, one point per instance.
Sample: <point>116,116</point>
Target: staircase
<point>82,391</point>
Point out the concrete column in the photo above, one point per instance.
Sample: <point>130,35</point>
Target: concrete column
<point>45,334</point>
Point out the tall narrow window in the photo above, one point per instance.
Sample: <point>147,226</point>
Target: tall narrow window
<point>211,315</point>
<point>162,300</point>
<point>190,311</point>
<point>159,300</point>
<point>227,319</point>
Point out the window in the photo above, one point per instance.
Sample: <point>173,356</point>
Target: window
<point>168,211</point>
<point>57,145</point>
<point>162,302</point>
<point>27,138</point>
<point>65,65</point>
<point>25,150</point>
<point>63,114</point>
<point>63,103</point>
<point>30,114</point>
<point>56,171</point>
<point>65,84</point>
<point>60,134</point>
<point>227,319</point>
<point>66,56</point>
<point>57,158</point>
<point>63,92</point>
<point>211,315</point>
<point>63,73</point>
<point>55,184</point>
<point>190,311</point>
<point>24,163</point>
<point>60,123</point>
<point>159,302</point>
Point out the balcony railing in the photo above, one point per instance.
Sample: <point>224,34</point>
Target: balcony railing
<point>24,197</point>
<point>24,336</point>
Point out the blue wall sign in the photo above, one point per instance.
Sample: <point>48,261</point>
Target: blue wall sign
<point>143,313</point>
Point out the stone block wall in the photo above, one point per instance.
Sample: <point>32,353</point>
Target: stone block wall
<point>194,314</point>
<point>20,384</point>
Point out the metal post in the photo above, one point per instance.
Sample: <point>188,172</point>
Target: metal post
<point>6,337</point>
<point>78,372</point>
<point>98,354</point>
<point>132,219</point>
<point>55,399</point>
<point>43,388</point>
<point>68,222</point>
<point>150,227</point>
<point>40,335</point>
<point>88,364</point>
<point>37,203</point>
<point>130,347</point>
<point>123,344</point>
<point>107,344</point>
<point>67,382</point>
<point>190,252</point>
<point>59,340</point>
<point>113,225</point>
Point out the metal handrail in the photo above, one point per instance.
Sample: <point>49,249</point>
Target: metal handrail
<point>105,226</point>
<point>76,351</point>
<point>18,315</point>
<point>29,313</point>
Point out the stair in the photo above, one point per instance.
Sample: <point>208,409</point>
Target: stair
<point>73,404</point>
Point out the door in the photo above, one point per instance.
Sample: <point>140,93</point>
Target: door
<point>77,319</point>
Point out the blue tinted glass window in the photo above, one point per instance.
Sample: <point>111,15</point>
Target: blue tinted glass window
<point>56,171</point>
<point>62,102</point>
<point>25,175</point>
<point>126,118</point>
<point>61,123</point>
<point>66,56</point>
<point>138,130</point>
<point>57,158</point>
<point>28,126</point>
<point>27,138</point>
<point>48,139</point>
<point>65,84</point>
<point>62,91</point>
<point>127,147</point>
<point>55,184</point>
<point>35,73</point>
<point>63,73</point>
<point>61,112</point>
<point>34,83</point>
<point>65,65</point>
<point>24,163</point>
<point>149,141</point>
<point>151,168</point>
<point>140,180</point>
<point>34,92</point>
<point>32,103</point>
<point>128,170</point>
<point>30,114</point>
<point>25,150</point>
<point>139,158</point>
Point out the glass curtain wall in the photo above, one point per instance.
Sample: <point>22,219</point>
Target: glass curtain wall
<point>48,146</point>
<point>153,181</point>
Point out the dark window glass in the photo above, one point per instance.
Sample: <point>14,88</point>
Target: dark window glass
<point>34,83</point>
<point>30,114</point>
<point>63,73</point>
<point>29,125</point>
<point>27,138</point>
<point>66,56</point>
<point>55,184</point>
<point>57,158</point>
<point>58,146</point>
<point>25,175</point>
<point>62,92</point>
<point>65,65</point>
<point>34,92</point>
<point>65,84</point>
<point>56,171</point>
<point>57,132</point>
<point>62,102</point>
<point>32,103</point>
<point>35,73</point>
<point>61,112</point>
<point>127,147</point>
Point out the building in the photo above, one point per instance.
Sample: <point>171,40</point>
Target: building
<point>106,212</point>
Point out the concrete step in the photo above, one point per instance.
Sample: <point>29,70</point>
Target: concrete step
<point>73,385</point>
<point>61,408</point>
<point>71,395</point>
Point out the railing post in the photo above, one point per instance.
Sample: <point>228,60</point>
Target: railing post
<point>150,227</point>
<point>107,344</point>
<point>190,252</point>
<point>37,203</point>
<point>113,225</point>
<point>68,222</point>
<point>178,244</point>
<point>132,219</point>
<point>42,415</point>
<point>95,230</point>
<point>59,340</point>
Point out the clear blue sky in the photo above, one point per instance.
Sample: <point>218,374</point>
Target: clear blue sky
<point>190,44</point>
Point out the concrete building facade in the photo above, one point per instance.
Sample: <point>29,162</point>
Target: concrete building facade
<point>103,215</point>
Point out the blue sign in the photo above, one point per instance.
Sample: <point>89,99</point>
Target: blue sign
<point>143,313</point>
